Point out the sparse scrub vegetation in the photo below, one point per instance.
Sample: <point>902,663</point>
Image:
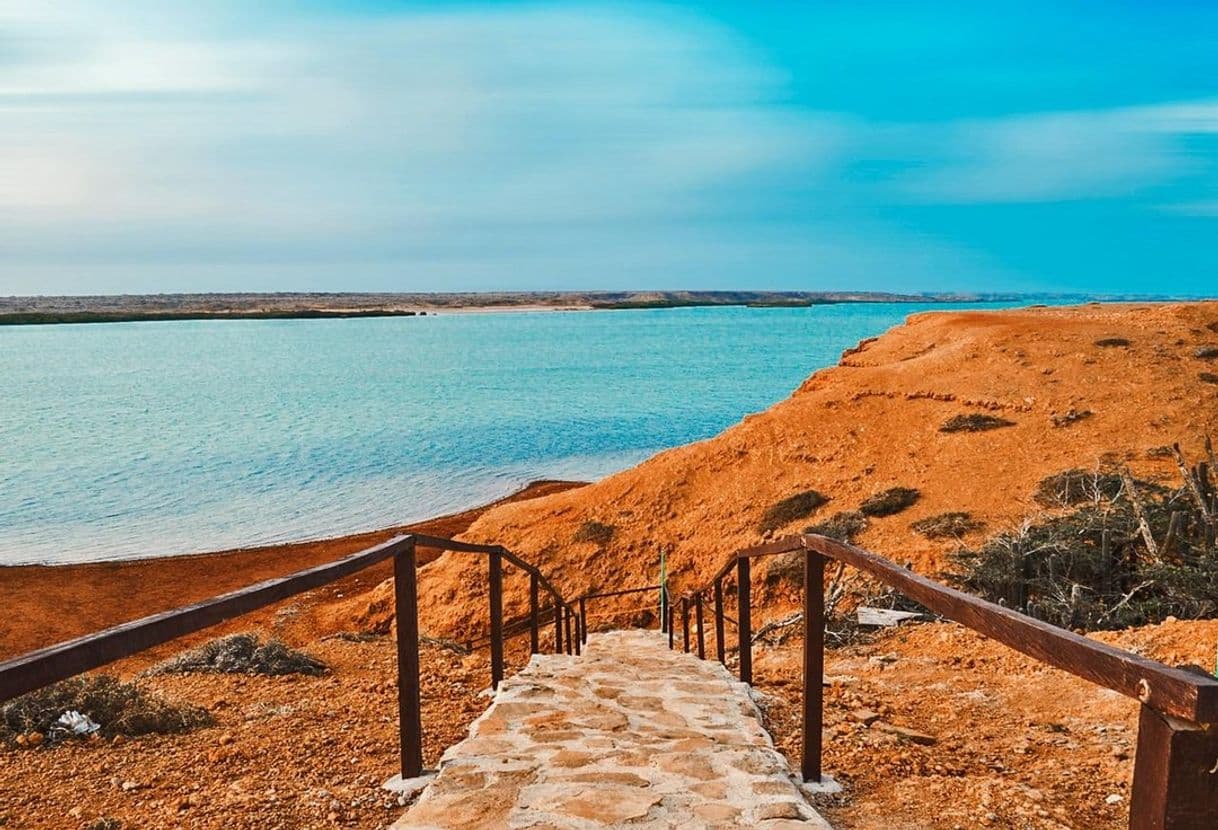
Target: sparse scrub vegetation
<point>1206,352</point>
<point>889,502</point>
<point>118,708</point>
<point>792,508</point>
<point>1112,342</point>
<point>1129,553</point>
<point>951,525</point>
<point>597,533</point>
<point>242,654</point>
<point>1074,487</point>
<point>843,526</point>
<point>974,422</point>
<point>1208,377</point>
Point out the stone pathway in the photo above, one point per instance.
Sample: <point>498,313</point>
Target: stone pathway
<point>628,735</point>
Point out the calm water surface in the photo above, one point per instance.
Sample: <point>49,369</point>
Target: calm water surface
<point>144,439</point>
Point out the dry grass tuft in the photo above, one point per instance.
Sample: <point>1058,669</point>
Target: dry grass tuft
<point>598,533</point>
<point>843,526</point>
<point>889,502</point>
<point>242,654</point>
<point>118,708</point>
<point>947,525</point>
<point>974,423</point>
<point>799,506</point>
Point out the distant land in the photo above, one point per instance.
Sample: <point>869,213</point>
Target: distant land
<point>116,308</point>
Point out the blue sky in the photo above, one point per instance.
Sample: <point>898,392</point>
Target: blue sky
<point>213,146</point>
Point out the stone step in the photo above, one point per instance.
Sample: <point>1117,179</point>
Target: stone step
<point>630,734</point>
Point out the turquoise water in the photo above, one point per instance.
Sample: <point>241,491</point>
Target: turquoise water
<point>144,439</point>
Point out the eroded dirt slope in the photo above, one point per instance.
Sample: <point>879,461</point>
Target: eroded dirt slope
<point>1079,385</point>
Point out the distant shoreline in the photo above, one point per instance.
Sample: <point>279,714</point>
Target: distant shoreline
<point>17,311</point>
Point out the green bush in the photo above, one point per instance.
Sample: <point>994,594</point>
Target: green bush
<point>792,508</point>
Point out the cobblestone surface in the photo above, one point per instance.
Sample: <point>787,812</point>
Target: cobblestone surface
<point>630,734</point>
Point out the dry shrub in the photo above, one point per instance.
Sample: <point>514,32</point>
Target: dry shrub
<point>947,525</point>
<point>1074,487</point>
<point>1206,352</point>
<point>1091,568</point>
<point>843,526</point>
<point>786,568</point>
<point>974,422</point>
<point>889,501</point>
<point>1112,342</point>
<point>1207,377</point>
<point>118,708</point>
<point>242,654</point>
<point>105,824</point>
<point>799,506</point>
<point>598,533</point>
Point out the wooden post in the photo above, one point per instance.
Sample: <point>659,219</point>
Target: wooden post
<point>579,633</point>
<point>814,664</point>
<point>534,634</point>
<point>1175,775</point>
<point>567,630</point>
<point>698,620</point>
<point>671,627</point>
<point>685,622</point>
<point>406,608</point>
<point>663,609</point>
<point>720,648</point>
<point>496,592</point>
<point>744,626</point>
<point>583,621</point>
<point>557,626</point>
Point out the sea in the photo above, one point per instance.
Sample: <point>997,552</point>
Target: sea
<point>129,440</point>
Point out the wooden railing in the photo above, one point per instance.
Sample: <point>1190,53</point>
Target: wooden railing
<point>49,665</point>
<point>1175,783</point>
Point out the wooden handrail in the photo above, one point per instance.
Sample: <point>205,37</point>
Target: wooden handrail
<point>43,667</point>
<point>1174,692</point>
<point>1175,785</point>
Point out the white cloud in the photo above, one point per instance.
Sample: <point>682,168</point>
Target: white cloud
<point>397,136</point>
<point>1058,156</point>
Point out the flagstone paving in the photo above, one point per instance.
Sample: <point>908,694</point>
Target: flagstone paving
<point>628,735</point>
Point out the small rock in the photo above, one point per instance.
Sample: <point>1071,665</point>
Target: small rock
<point>865,716</point>
<point>130,786</point>
<point>1114,799</point>
<point>904,733</point>
<point>35,738</point>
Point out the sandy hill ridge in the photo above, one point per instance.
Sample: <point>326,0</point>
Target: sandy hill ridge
<point>868,424</point>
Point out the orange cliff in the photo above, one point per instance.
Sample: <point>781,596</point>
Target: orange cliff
<point>871,423</point>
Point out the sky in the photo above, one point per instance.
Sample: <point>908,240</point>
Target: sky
<point>163,146</point>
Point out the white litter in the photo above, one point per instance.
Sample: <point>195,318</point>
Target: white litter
<point>77,723</point>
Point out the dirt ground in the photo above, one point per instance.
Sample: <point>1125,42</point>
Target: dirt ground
<point>998,740</point>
